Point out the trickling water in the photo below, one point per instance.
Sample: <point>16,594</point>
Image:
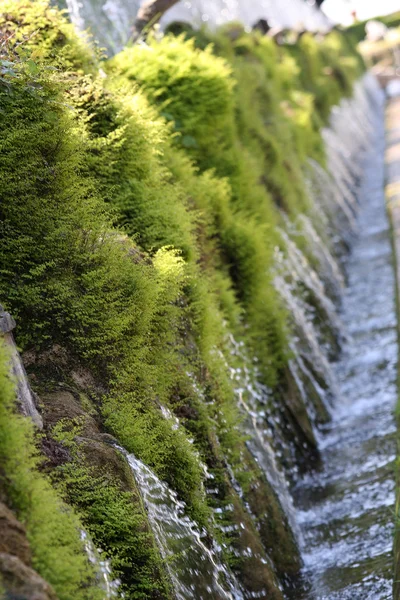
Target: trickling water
<point>328,266</point>
<point>334,191</point>
<point>306,343</point>
<point>345,510</point>
<point>24,392</point>
<point>255,399</point>
<point>303,276</point>
<point>196,570</point>
<point>102,567</point>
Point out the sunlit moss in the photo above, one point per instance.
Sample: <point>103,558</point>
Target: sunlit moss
<point>139,222</point>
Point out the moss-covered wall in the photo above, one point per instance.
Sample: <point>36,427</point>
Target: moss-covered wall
<point>140,206</point>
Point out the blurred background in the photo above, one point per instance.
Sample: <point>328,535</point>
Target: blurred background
<point>110,21</point>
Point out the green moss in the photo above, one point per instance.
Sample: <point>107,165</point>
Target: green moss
<point>328,68</point>
<point>52,527</point>
<point>193,90</point>
<point>139,217</point>
<point>113,515</point>
<point>46,35</point>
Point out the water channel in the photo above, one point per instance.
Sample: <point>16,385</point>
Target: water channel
<point>345,510</point>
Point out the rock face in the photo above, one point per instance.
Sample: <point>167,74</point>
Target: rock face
<point>7,323</point>
<point>17,579</point>
<point>22,582</point>
<point>13,536</point>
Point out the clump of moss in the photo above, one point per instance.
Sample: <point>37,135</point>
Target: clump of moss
<point>328,68</point>
<point>77,281</point>
<point>193,90</point>
<point>46,35</point>
<point>52,527</point>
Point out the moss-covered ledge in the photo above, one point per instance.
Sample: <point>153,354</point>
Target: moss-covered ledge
<point>392,192</point>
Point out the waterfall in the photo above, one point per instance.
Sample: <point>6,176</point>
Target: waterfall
<point>302,275</point>
<point>305,342</point>
<point>102,568</point>
<point>334,190</point>
<point>24,392</point>
<point>196,570</point>
<point>254,399</point>
<point>329,269</point>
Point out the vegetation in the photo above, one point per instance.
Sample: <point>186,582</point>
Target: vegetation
<point>53,529</point>
<point>139,220</point>
<point>357,30</point>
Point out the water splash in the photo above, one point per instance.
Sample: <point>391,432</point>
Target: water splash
<point>24,392</point>
<point>102,568</point>
<point>254,399</point>
<point>195,569</point>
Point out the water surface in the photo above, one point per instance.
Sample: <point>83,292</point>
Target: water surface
<point>346,510</point>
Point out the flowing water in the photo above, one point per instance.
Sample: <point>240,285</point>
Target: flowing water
<point>342,513</point>
<point>195,568</point>
<point>102,567</point>
<point>24,392</point>
<point>346,510</point>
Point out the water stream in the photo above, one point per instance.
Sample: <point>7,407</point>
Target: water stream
<point>102,567</point>
<point>24,392</point>
<point>195,567</point>
<point>345,511</point>
<point>341,513</point>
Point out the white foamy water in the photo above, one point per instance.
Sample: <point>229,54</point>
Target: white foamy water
<point>196,569</point>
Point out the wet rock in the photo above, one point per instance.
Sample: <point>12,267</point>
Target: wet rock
<point>55,453</point>
<point>272,525</point>
<point>298,420</point>
<point>21,582</point>
<point>95,446</point>
<point>7,323</point>
<point>108,461</point>
<point>13,536</point>
<point>256,573</point>
<point>63,404</point>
